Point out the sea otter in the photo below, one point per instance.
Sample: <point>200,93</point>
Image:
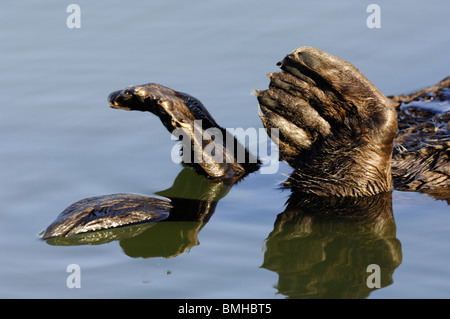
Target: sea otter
<point>340,134</point>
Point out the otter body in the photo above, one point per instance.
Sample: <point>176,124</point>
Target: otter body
<point>422,146</point>
<point>340,134</point>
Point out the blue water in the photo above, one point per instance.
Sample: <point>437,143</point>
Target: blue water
<point>62,143</point>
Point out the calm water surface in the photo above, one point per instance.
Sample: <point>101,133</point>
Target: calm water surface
<point>62,143</point>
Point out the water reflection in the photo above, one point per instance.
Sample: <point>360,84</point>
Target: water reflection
<point>320,248</point>
<point>194,199</point>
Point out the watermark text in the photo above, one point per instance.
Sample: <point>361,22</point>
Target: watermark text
<point>374,19</point>
<point>73,21</point>
<point>374,279</point>
<point>74,279</point>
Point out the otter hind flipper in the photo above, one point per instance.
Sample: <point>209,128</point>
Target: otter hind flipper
<point>186,118</point>
<point>106,212</point>
<point>335,127</point>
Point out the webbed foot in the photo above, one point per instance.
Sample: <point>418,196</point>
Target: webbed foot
<point>335,128</point>
<point>106,212</point>
<point>205,145</point>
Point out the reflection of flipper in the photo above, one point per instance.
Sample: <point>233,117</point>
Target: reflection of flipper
<point>166,239</point>
<point>102,236</point>
<point>213,151</point>
<point>336,128</point>
<point>321,247</point>
<point>105,212</point>
<point>194,197</point>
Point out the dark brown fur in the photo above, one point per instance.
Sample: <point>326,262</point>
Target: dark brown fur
<point>422,146</point>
